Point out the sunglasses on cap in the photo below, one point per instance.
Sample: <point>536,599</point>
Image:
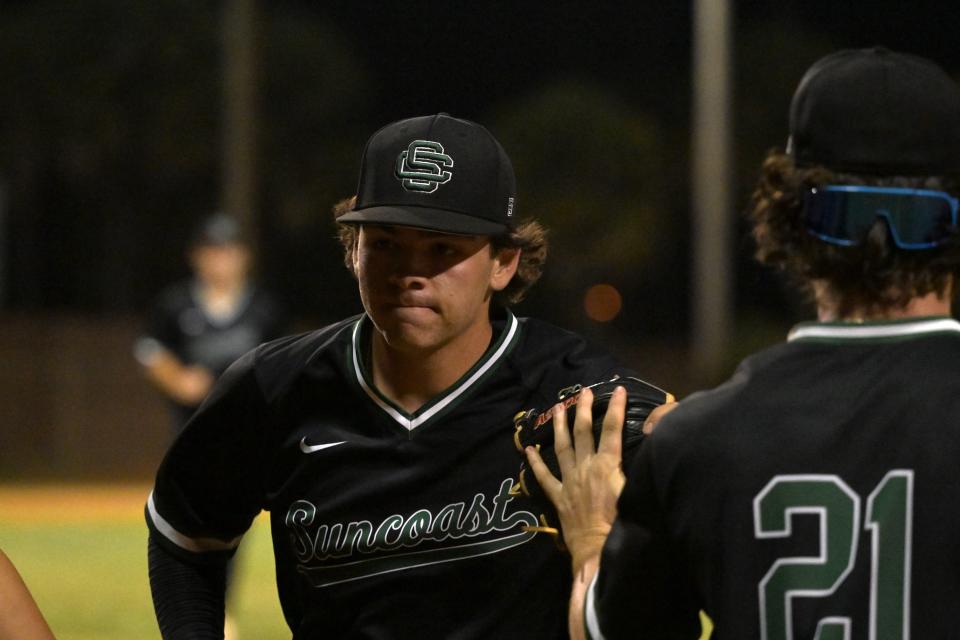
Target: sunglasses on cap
<point>843,214</point>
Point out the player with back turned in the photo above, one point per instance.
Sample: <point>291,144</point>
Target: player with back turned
<point>382,445</point>
<point>816,494</point>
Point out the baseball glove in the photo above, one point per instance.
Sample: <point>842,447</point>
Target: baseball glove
<point>533,427</point>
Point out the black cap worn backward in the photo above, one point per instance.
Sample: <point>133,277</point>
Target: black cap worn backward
<point>438,173</point>
<point>876,111</point>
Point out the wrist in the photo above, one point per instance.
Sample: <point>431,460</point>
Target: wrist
<point>586,551</point>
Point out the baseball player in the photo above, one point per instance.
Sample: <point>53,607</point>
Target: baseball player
<point>817,493</point>
<point>382,445</point>
<point>198,327</point>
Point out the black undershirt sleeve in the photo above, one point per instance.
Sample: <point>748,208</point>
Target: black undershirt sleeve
<point>188,598</point>
<point>643,587</point>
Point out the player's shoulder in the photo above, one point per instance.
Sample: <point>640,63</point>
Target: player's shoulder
<point>541,339</point>
<point>707,423</point>
<point>548,356</point>
<point>277,362</point>
<point>708,409</point>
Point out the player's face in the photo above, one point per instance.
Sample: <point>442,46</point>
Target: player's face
<point>220,265</point>
<point>426,290</point>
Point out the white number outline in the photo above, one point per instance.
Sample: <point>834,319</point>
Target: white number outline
<point>874,530</point>
<point>820,559</point>
<point>870,525</point>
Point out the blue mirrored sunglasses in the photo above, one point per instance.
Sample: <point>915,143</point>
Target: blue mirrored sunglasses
<point>843,214</point>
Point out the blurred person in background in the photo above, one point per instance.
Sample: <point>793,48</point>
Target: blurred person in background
<point>198,327</point>
<point>20,618</point>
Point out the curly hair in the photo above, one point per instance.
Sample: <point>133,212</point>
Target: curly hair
<point>529,236</point>
<point>872,277</point>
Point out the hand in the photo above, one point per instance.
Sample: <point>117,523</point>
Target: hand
<point>656,415</point>
<point>185,384</point>
<point>586,498</point>
<point>193,385</point>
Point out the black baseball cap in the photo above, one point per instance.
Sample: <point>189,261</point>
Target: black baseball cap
<point>876,111</point>
<point>217,229</point>
<point>438,173</point>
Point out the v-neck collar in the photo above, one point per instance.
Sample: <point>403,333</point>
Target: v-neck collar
<point>880,331</point>
<point>480,370</point>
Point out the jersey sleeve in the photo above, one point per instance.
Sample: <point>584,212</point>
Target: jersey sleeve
<point>209,486</point>
<point>642,587</point>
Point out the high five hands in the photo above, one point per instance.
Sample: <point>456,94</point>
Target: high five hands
<point>591,478</point>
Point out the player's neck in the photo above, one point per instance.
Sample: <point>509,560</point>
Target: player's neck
<point>919,307</point>
<point>411,378</point>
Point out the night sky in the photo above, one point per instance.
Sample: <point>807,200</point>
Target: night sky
<point>111,130</point>
<point>467,56</point>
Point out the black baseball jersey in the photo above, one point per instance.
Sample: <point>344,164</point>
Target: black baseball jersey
<point>180,323</point>
<point>385,524</point>
<point>815,494</point>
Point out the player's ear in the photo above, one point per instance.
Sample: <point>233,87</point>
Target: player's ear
<point>505,263</point>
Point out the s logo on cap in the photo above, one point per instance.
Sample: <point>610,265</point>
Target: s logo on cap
<point>420,166</point>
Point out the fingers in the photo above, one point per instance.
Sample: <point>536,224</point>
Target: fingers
<point>611,438</point>
<point>583,427</point>
<point>550,485</point>
<point>561,441</point>
<point>656,415</point>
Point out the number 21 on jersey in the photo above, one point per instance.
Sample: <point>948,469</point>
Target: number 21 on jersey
<point>887,520</point>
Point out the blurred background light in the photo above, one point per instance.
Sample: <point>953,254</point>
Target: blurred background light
<point>602,302</point>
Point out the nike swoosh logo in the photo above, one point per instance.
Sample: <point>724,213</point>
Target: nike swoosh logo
<point>312,448</point>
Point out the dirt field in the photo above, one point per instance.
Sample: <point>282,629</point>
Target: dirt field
<point>72,503</point>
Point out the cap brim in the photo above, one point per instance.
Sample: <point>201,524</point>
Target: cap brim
<point>425,218</point>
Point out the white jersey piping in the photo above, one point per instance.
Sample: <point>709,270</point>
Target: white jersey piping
<point>590,611</point>
<point>861,331</point>
<point>412,423</point>
<point>196,545</point>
